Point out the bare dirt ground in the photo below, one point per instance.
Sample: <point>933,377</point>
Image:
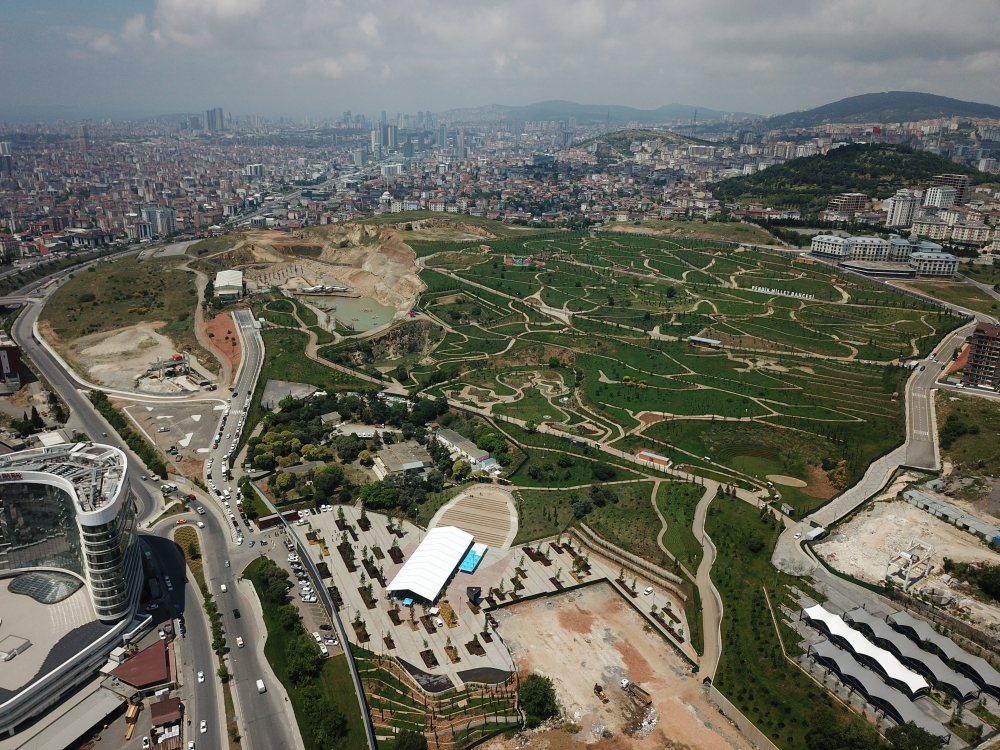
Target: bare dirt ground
<point>593,636</point>
<point>224,339</point>
<point>889,527</point>
<point>114,358</point>
<point>375,262</point>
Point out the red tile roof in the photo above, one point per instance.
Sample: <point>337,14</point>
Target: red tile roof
<point>147,668</point>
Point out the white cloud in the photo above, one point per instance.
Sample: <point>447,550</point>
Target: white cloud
<point>752,55</point>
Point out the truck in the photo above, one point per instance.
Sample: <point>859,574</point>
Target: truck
<point>260,687</point>
<point>599,692</point>
<point>639,693</point>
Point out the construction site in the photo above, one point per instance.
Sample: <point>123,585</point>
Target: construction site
<point>139,358</point>
<point>590,642</point>
<point>894,540</point>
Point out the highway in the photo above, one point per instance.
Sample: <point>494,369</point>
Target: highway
<point>266,720</point>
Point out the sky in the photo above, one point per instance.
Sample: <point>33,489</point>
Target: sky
<point>140,58</point>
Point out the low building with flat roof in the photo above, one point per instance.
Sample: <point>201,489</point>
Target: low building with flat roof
<point>403,458</point>
<point>456,443</point>
<point>229,284</point>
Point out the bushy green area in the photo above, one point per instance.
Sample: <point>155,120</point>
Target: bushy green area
<point>809,182</point>
<point>677,502</point>
<point>120,294</point>
<point>774,694</point>
<point>320,690</point>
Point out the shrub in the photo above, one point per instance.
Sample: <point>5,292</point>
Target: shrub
<point>537,698</point>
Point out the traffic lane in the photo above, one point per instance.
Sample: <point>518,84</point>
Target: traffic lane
<point>196,645</point>
<point>267,719</point>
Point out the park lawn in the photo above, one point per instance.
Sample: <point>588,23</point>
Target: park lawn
<point>733,231</point>
<point>677,502</point>
<point>964,295</point>
<point>214,244</point>
<point>774,694</point>
<point>542,514</point>
<point>532,407</point>
<point>631,523</point>
<point>129,291</point>
<point>581,472</point>
<point>335,677</point>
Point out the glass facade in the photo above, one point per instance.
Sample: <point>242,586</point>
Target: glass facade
<point>38,528</point>
<point>113,564</point>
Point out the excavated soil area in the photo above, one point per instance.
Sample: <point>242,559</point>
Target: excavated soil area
<point>592,636</point>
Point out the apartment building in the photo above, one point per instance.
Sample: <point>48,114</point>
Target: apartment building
<point>984,357</point>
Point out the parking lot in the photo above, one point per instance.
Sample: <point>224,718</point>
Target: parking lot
<point>314,617</point>
<point>190,429</point>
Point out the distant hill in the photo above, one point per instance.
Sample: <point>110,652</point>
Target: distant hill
<point>622,139</point>
<point>808,183</point>
<point>888,106</point>
<point>588,114</point>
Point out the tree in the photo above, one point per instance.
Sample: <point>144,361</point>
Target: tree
<point>460,469</point>
<point>223,673</point>
<point>365,457</point>
<point>192,551</point>
<point>378,495</point>
<point>554,363</point>
<point>828,732</point>
<point>537,698</point>
<point>911,737</point>
<point>407,739</point>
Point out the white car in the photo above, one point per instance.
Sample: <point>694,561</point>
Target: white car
<point>145,743</point>
<point>190,744</point>
<point>309,599</point>
<point>201,677</point>
<point>203,727</point>
<point>797,534</point>
<point>317,637</point>
<point>648,591</point>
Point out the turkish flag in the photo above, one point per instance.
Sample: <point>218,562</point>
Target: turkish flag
<point>877,130</point>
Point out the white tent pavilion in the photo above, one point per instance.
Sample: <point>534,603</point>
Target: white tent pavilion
<point>432,563</point>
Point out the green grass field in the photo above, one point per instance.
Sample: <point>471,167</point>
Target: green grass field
<point>121,294</point>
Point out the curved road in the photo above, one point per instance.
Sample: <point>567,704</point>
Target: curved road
<point>266,720</point>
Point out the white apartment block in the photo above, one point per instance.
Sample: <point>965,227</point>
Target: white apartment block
<point>900,208</point>
<point>934,264</point>
<point>940,196</point>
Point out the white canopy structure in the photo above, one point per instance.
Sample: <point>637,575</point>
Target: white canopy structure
<point>866,651</point>
<point>432,563</point>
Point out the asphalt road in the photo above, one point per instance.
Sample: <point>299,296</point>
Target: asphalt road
<point>147,497</point>
<point>266,720</point>
<point>921,445</point>
<point>194,649</point>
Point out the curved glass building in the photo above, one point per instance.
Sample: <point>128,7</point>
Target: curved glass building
<point>70,570</point>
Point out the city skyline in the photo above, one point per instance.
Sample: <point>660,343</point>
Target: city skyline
<point>298,59</point>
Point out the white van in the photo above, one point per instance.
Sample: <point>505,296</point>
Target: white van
<point>260,687</point>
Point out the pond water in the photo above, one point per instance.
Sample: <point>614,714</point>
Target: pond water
<point>364,312</point>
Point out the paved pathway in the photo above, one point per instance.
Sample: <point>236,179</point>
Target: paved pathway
<point>711,602</point>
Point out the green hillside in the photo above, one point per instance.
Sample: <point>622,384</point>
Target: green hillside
<point>809,182</point>
<point>886,106</point>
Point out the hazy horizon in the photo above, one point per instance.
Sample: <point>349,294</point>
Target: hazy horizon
<point>310,58</point>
